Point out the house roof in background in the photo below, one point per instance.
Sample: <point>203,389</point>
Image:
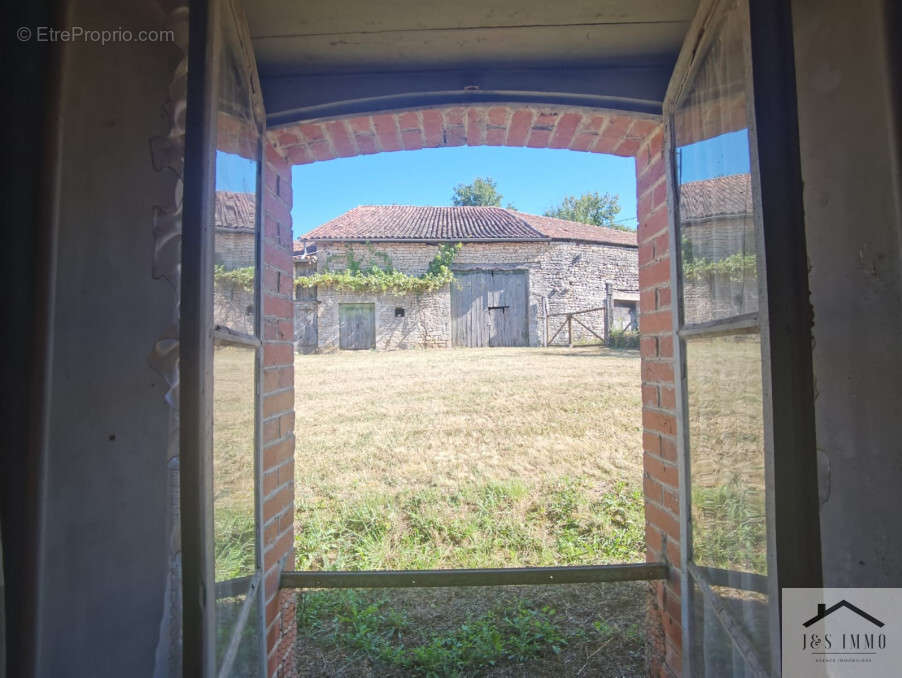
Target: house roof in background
<point>398,223</point>
<point>234,210</point>
<point>718,197</point>
<point>562,229</point>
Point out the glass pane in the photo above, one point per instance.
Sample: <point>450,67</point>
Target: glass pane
<point>235,206</point>
<point>726,438</point>
<point>553,630</point>
<point>233,460</point>
<point>247,659</point>
<point>729,526</point>
<point>234,272</point>
<point>714,655</point>
<point>717,231</point>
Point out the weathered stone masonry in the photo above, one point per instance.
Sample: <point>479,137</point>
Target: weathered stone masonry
<point>571,276</point>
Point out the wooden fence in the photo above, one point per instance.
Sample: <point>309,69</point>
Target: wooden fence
<point>571,316</point>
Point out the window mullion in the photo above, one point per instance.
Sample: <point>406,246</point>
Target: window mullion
<point>225,336</point>
<point>258,409</point>
<point>738,324</point>
<point>195,347</point>
<point>681,413</point>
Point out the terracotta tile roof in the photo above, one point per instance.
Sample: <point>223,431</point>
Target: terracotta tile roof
<point>464,224</point>
<point>721,196</point>
<point>234,210</point>
<point>561,229</point>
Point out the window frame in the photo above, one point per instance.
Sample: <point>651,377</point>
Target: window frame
<point>783,321</point>
<point>198,334</point>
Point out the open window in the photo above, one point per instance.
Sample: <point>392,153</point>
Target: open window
<point>221,352</point>
<point>745,433</point>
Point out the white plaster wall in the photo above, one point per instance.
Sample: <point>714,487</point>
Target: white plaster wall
<point>104,549</point>
<point>849,124</point>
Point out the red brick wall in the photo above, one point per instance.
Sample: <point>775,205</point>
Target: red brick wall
<point>278,411</point>
<point>579,130</point>
<point>535,126</point>
<point>662,509</point>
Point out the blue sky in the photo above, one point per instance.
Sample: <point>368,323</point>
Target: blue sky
<point>532,179</point>
<point>234,173</point>
<point>715,157</point>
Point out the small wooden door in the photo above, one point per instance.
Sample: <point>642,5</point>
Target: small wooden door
<point>488,308</point>
<point>305,326</point>
<point>356,326</point>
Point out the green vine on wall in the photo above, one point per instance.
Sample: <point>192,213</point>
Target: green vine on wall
<point>372,278</point>
<point>236,278</point>
<point>736,267</point>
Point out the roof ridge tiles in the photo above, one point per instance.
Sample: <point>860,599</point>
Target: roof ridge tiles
<point>458,223</point>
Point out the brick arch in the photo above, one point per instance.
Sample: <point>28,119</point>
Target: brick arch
<point>498,125</point>
<point>536,126</point>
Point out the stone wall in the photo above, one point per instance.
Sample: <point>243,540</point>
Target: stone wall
<point>426,322</point>
<point>234,305</point>
<point>719,295</point>
<point>562,277</point>
<point>234,247</point>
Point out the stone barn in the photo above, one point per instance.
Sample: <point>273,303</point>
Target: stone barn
<point>718,248</point>
<point>235,253</point>
<point>516,277</point>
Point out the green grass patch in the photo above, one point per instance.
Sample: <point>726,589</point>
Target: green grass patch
<point>507,631</point>
<point>234,542</point>
<point>730,527</point>
<point>492,524</point>
<point>373,626</point>
<point>623,339</point>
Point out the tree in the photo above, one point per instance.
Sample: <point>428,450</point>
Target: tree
<point>595,208</point>
<point>483,191</point>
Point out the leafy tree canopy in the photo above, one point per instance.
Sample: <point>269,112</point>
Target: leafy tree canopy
<point>483,191</point>
<point>595,208</point>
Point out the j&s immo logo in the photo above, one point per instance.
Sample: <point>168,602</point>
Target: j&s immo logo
<point>841,632</point>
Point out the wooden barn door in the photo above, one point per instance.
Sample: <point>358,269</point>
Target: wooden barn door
<point>488,308</point>
<point>305,326</point>
<point>356,326</point>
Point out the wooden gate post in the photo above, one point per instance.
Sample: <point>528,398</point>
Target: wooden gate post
<point>545,313</point>
<point>608,311</point>
<point>570,330</point>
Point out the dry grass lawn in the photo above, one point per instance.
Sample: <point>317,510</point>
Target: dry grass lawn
<point>470,458</point>
<point>487,458</point>
<point>726,436</point>
<point>418,419</point>
<point>456,458</point>
<point>233,460</point>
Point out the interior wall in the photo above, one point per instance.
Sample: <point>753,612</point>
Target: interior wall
<point>849,126</point>
<point>105,544</point>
